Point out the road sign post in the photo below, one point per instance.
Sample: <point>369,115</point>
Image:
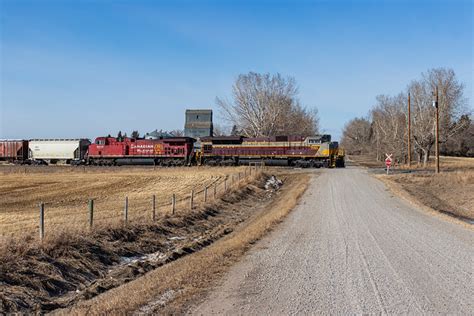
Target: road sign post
<point>388,161</point>
<point>436,105</point>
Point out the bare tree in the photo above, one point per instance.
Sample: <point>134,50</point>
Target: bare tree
<point>220,130</point>
<point>266,105</point>
<point>235,131</point>
<point>298,121</point>
<point>388,119</point>
<point>451,107</point>
<point>463,143</point>
<point>389,126</point>
<point>423,119</point>
<point>135,134</point>
<point>357,136</point>
<point>177,132</point>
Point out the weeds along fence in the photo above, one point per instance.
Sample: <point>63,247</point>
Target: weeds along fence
<point>148,209</point>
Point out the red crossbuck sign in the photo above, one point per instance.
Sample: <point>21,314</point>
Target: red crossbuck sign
<point>388,160</point>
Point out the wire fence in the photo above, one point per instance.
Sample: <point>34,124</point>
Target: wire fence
<point>144,209</point>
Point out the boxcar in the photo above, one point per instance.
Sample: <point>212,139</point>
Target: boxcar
<point>58,150</point>
<point>14,150</point>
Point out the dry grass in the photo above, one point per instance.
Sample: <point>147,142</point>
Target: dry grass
<point>446,163</point>
<point>66,192</point>
<point>364,161</point>
<point>448,192</point>
<point>68,267</point>
<point>169,289</point>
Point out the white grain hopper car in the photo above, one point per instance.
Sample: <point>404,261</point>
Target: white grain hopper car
<point>58,150</point>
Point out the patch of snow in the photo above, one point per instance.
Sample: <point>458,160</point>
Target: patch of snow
<point>273,183</point>
<point>176,238</point>
<point>156,256</point>
<point>134,259</point>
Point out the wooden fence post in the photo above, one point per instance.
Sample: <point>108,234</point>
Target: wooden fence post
<point>125,211</point>
<point>215,190</point>
<point>205,194</point>
<point>173,204</point>
<point>239,176</point>
<point>225,184</point>
<point>41,223</point>
<point>192,199</point>
<point>154,207</point>
<point>91,213</point>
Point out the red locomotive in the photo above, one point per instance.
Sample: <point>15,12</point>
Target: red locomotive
<point>172,151</point>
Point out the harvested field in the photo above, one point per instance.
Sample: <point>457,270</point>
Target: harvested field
<point>69,268</point>
<point>66,191</point>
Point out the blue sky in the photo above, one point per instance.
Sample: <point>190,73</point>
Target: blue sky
<point>89,68</point>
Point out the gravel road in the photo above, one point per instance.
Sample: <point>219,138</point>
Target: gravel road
<point>352,247</point>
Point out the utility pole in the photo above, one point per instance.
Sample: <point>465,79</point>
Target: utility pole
<point>409,131</point>
<point>436,105</point>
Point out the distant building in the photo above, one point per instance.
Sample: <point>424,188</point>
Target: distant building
<point>198,123</point>
<point>157,135</point>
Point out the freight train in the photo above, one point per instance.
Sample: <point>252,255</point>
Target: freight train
<point>44,151</point>
<point>316,151</point>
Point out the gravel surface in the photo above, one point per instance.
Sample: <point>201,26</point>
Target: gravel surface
<point>352,247</point>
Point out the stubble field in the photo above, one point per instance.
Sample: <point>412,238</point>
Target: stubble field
<point>66,192</point>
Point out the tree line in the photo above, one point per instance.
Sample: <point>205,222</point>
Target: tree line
<point>385,128</point>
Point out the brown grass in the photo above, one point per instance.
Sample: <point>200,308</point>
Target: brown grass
<point>171,288</point>
<point>446,163</point>
<point>66,192</point>
<point>447,192</point>
<point>69,267</point>
<point>364,161</point>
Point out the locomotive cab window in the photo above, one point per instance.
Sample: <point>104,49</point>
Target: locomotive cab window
<point>207,148</point>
